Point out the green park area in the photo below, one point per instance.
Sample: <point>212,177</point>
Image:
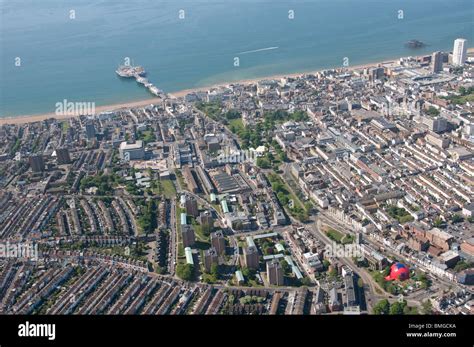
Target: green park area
<point>164,187</point>
<point>399,214</point>
<point>339,237</point>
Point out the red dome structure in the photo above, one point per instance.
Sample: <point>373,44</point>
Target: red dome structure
<point>398,271</point>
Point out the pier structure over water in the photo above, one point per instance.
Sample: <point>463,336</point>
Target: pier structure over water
<point>139,73</point>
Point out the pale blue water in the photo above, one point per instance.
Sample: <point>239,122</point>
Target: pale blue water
<point>76,59</point>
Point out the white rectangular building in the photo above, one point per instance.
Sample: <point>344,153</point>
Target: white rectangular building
<point>459,52</point>
<point>132,151</point>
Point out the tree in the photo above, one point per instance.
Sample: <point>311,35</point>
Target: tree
<point>215,270</point>
<point>185,271</point>
<point>248,273</point>
<point>392,289</point>
<point>270,157</point>
<point>426,307</point>
<point>438,222</point>
<point>283,198</point>
<point>382,307</point>
<point>456,219</point>
<point>206,229</point>
<point>285,266</point>
<point>263,163</point>
<point>283,156</point>
<point>232,114</point>
<point>333,273</point>
<point>462,265</point>
<point>397,308</point>
<point>432,111</point>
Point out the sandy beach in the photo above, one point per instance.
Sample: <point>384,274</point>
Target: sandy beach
<point>22,119</point>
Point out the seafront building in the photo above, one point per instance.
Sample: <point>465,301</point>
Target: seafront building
<point>459,52</point>
<point>437,62</point>
<point>133,218</point>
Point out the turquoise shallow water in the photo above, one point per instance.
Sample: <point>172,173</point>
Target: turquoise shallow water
<point>75,59</point>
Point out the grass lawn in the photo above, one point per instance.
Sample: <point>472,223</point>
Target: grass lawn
<point>181,181</point>
<point>147,136</point>
<point>200,234</point>
<point>169,190</point>
<point>165,188</point>
<point>335,235</point>
<point>339,237</point>
<point>274,178</point>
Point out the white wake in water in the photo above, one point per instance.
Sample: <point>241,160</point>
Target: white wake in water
<point>259,50</point>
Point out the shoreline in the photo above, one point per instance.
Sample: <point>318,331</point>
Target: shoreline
<point>32,118</point>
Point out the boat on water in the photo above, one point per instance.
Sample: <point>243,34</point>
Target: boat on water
<point>127,71</point>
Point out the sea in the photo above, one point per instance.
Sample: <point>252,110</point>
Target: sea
<point>52,50</point>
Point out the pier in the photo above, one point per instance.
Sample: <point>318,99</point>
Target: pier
<point>139,73</point>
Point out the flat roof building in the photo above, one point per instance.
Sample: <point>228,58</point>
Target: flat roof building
<point>188,236</point>
<point>132,151</point>
<point>251,257</point>
<point>275,273</point>
<point>62,156</point>
<point>210,258</point>
<point>37,163</point>
<point>192,207</point>
<point>239,277</point>
<point>189,255</point>
<point>184,218</point>
<point>224,206</point>
<point>459,52</point>
<point>218,242</point>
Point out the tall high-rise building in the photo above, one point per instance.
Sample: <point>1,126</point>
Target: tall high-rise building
<point>187,233</point>
<point>205,219</point>
<point>210,257</point>
<point>437,62</point>
<point>62,156</point>
<point>376,73</point>
<point>90,131</point>
<point>192,207</point>
<point>36,163</point>
<point>251,257</point>
<point>459,52</point>
<point>275,273</point>
<point>218,242</point>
